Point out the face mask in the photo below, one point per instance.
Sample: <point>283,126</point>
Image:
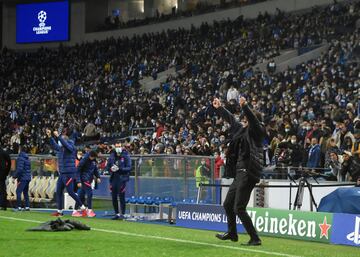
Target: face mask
<point>202,162</point>
<point>287,130</point>
<point>118,149</point>
<point>293,141</point>
<point>308,128</point>
<point>178,150</point>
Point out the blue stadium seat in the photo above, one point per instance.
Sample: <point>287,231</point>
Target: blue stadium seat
<point>157,200</point>
<point>167,199</point>
<point>149,200</point>
<point>133,199</point>
<point>141,200</point>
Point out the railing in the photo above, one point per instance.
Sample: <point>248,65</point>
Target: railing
<point>151,175</point>
<point>146,129</point>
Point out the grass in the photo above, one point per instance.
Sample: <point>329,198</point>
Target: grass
<point>122,238</point>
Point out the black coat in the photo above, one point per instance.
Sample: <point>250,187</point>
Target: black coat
<point>251,137</point>
<point>5,164</point>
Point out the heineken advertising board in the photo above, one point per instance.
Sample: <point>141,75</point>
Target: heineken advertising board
<point>313,226</point>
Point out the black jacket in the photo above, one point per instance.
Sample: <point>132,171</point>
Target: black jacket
<point>249,140</point>
<point>5,164</point>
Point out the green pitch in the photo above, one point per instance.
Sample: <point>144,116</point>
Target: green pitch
<point>122,238</point>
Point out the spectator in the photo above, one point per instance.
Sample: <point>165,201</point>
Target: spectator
<point>334,166</point>
<point>313,154</point>
<point>350,167</point>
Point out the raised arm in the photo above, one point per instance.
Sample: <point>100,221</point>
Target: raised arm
<point>256,128</point>
<point>53,143</point>
<point>226,115</point>
<point>70,147</point>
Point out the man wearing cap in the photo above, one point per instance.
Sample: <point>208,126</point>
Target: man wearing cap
<point>66,154</point>
<point>244,163</point>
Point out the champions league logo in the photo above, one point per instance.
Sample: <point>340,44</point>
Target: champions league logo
<point>42,29</point>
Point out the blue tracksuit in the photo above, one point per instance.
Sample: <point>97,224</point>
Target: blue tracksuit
<point>66,153</point>
<point>23,175</point>
<point>87,169</point>
<point>119,178</point>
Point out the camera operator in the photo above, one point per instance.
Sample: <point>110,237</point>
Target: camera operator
<point>334,165</point>
<point>350,166</point>
<point>296,151</point>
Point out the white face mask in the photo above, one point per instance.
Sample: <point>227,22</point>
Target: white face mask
<point>293,141</point>
<point>118,149</point>
<point>178,150</point>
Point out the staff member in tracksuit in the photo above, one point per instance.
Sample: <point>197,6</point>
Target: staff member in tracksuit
<point>66,154</point>
<point>244,163</point>
<point>5,165</point>
<point>119,164</point>
<point>23,176</point>
<point>87,169</point>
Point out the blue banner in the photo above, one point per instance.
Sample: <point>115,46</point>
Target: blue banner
<point>209,217</point>
<point>42,22</point>
<point>346,229</point>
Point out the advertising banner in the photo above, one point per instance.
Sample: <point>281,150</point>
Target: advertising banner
<point>281,223</point>
<point>346,229</point>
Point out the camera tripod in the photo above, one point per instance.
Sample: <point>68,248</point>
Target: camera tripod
<point>303,182</point>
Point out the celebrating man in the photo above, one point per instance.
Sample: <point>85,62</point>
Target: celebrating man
<point>244,163</point>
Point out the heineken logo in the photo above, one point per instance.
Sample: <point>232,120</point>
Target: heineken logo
<point>290,225</point>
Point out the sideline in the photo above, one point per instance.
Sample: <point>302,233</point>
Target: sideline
<point>170,239</point>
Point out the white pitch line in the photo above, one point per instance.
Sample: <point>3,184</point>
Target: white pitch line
<point>170,239</point>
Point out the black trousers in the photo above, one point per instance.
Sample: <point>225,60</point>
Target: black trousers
<point>3,195</point>
<point>236,201</point>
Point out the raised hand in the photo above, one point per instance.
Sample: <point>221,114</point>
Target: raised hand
<point>216,103</point>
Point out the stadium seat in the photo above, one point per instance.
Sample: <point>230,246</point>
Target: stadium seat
<point>149,200</point>
<point>141,200</point>
<point>133,199</point>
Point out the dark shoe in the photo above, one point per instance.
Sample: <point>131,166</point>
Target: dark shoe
<point>228,236</point>
<point>253,243</point>
<point>2,208</point>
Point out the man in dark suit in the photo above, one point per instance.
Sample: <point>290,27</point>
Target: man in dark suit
<point>5,165</point>
<point>244,163</point>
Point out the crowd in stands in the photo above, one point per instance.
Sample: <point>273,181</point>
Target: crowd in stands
<point>310,112</point>
<point>115,21</point>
